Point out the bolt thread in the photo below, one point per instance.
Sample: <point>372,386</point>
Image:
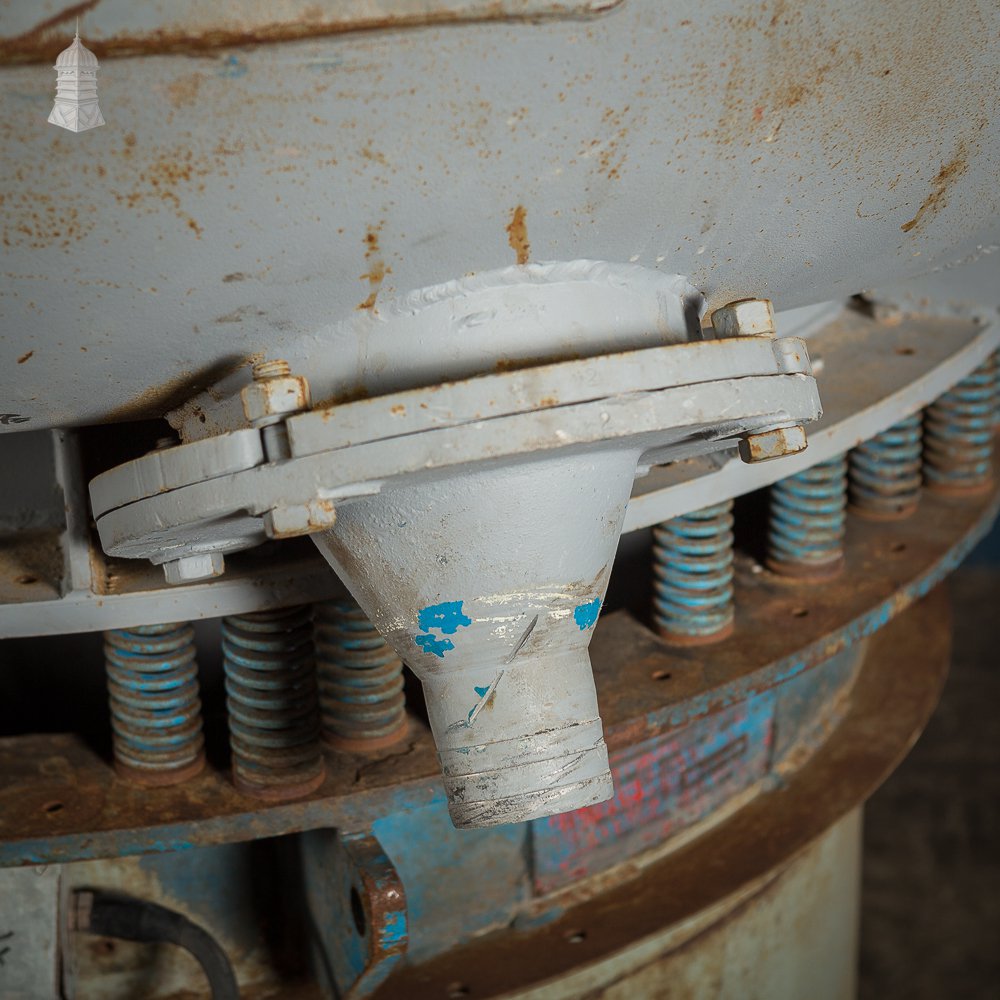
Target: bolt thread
<point>155,708</point>
<point>275,368</point>
<point>807,521</point>
<point>958,434</point>
<point>360,679</point>
<point>693,575</point>
<point>273,702</point>
<point>885,474</point>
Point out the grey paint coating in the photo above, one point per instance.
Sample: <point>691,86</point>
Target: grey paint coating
<point>249,200</point>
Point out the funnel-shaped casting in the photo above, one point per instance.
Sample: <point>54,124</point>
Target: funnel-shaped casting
<point>488,584</point>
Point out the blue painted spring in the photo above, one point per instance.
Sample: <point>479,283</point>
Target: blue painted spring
<point>155,707</point>
<point>360,679</point>
<point>273,703</point>
<point>995,359</point>
<point>807,521</point>
<point>885,472</point>
<point>958,434</point>
<point>693,576</point>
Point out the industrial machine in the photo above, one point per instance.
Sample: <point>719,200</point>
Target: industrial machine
<point>627,372</point>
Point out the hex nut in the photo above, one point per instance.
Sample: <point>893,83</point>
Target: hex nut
<point>772,444</point>
<point>270,399</point>
<point>744,318</point>
<point>200,566</point>
<point>301,519</point>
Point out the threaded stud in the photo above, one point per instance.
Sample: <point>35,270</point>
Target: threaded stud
<point>693,576</point>
<point>155,707</point>
<point>273,703</point>
<point>360,680</point>
<point>958,435</point>
<point>885,472</point>
<point>275,368</point>
<point>807,522</point>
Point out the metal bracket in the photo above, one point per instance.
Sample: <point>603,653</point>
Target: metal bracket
<point>357,910</point>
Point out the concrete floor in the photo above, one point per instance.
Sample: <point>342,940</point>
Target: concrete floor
<point>931,884</point>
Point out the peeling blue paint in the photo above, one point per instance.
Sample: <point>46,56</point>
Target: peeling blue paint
<point>433,644</point>
<point>446,617</point>
<point>481,690</point>
<point>394,929</point>
<point>586,614</point>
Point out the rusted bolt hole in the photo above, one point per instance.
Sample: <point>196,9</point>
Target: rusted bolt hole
<point>576,937</point>
<point>799,612</point>
<point>906,351</point>
<point>661,675</point>
<point>51,808</point>
<point>26,579</point>
<point>457,990</point>
<point>897,547</point>
<point>357,911</point>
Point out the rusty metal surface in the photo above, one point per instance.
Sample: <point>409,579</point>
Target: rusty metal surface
<point>803,150</point>
<point>116,28</point>
<point>358,910</point>
<point>906,668</point>
<point>60,801</point>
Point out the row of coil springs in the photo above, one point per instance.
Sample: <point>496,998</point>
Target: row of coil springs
<point>946,449</point>
<point>290,684</point>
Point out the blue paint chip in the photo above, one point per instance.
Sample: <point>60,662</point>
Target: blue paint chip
<point>394,929</point>
<point>481,691</point>
<point>232,68</point>
<point>446,617</point>
<point>433,644</point>
<point>586,614</point>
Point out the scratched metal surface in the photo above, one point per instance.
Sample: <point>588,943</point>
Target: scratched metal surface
<point>782,632</point>
<point>244,198</point>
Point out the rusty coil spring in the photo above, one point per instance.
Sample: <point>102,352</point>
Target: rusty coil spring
<point>360,679</point>
<point>273,702</point>
<point>995,359</point>
<point>807,521</point>
<point>958,434</point>
<point>155,706</point>
<point>885,472</point>
<point>693,575</point>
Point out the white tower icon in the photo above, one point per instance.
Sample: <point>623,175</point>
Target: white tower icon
<point>76,88</point>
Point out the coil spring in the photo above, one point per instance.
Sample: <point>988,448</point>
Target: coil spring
<point>996,389</point>
<point>693,575</point>
<point>273,702</point>
<point>885,472</point>
<point>155,707</point>
<point>958,434</point>
<point>807,521</point>
<point>360,679</point>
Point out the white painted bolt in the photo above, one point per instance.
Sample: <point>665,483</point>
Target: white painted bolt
<point>766,445</point>
<point>201,566</point>
<point>744,318</point>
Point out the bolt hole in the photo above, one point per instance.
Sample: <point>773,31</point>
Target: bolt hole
<point>897,547</point>
<point>906,351</point>
<point>576,937</point>
<point>661,675</point>
<point>457,990</point>
<point>51,808</point>
<point>357,911</point>
<point>27,579</point>
<point>799,612</point>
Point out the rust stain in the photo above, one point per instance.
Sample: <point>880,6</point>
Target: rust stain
<point>517,234</point>
<point>25,357</point>
<point>377,269</point>
<point>183,91</point>
<point>938,197</point>
<point>47,38</point>
<point>398,409</point>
